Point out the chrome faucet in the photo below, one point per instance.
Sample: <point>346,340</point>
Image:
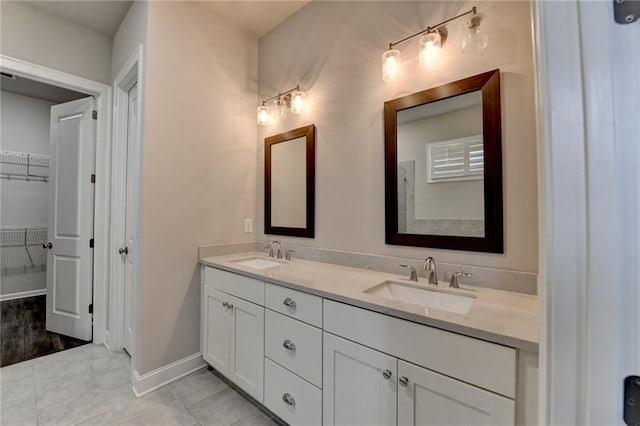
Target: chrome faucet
<point>455,282</point>
<point>431,270</point>
<point>277,254</point>
<point>414,273</point>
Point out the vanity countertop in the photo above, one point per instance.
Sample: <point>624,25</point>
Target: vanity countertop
<point>502,317</point>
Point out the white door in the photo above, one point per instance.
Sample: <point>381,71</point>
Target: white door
<point>216,316</point>
<point>70,260</point>
<point>131,216</point>
<point>428,398</point>
<point>246,363</point>
<point>360,385</point>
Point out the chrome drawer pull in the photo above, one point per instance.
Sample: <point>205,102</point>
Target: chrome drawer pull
<point>288,399</point>
<point>288,344</point>
<point>225,304</point>
<point>289,302</point>
<point>387,374</point>
<point>403,381</point>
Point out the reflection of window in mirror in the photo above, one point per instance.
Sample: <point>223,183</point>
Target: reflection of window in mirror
<point>455,160</point>
<point>441,160</point>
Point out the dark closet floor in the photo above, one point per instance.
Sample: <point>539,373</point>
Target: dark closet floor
<point>24,336</point>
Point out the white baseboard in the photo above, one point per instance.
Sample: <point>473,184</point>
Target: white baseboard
<point>148,382</point>
<point>22,294</point>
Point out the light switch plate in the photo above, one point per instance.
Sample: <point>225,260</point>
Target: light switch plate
<point>248,226</point>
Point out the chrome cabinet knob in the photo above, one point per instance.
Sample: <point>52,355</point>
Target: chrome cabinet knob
<point>289,302</point>
<point>387,374</point>
<point>403,381</point>
<point>123,250</point>
<point>288,344</point>
<point>288,399</point>
<point>47,246</point>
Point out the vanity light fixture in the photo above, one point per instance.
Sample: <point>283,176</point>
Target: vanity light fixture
<point>473,40</point>
<point>276,106</point>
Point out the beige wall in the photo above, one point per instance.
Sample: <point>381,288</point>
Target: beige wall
<point>198,169</point>
<point>27,33</point>
<point>333,50</point>
<point>131,33</point>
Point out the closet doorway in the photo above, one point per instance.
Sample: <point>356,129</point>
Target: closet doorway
<point>47,222</point>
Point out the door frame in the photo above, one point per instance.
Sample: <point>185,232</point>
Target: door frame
<point>102,94</point>
<point>583,229</point>
<point>132,72</point>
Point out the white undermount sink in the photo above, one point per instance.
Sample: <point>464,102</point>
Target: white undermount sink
<point>435,298</point>
<point>258,263</point>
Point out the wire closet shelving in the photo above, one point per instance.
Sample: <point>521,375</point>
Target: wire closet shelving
<point>24,166</point>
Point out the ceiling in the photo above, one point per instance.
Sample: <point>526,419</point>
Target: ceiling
<point>35,89</point>
<point>104,16</point>
<point>255,17</point>
<point>99,15</point>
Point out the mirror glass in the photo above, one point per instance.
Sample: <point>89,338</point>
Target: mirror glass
<point>440,164</point>
<point>288,183</point>
<point>443,166</point>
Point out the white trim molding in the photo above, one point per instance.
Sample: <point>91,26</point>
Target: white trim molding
<point>148,382</point>
<point>587,95</point>
<point>23,294</point>
<point>102,213</point>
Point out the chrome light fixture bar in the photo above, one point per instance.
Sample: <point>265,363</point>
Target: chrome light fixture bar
<point>276,106</point>
<point>431,41</point>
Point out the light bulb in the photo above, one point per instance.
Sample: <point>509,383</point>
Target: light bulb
<point>279,109</point>
<point>391,64</point>
<point>297,102</point>
<point>429,48</point>
<point>473,38</point>
<point>263,115</point>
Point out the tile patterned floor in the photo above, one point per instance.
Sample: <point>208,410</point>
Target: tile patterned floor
<point>89,385</point>
<point>23,334</point>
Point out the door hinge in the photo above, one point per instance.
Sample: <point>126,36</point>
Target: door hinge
<point>626,11</point>
<point>91,243</point>
<point>90,308</point>
<point>631,410</point>
<point>94,115</point>
<point>93,178</point>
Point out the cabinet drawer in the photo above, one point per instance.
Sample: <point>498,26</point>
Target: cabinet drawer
<point>237,285</point>
<point>304,405</point>
<point>295,304</point>
<point>304,356</point>
<point>474,361</point>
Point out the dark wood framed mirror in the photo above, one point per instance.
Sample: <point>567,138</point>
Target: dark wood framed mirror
<point>443,166</point>
<point>289,183</point>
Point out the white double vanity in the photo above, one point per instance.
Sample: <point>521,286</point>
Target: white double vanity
<point>319,343</point>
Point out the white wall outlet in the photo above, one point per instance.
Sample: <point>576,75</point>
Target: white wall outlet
<point>248,226</point>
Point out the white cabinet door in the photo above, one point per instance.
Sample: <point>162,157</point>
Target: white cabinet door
<point>216,323</point>
<point>246,363</point>
<point>70,261</point>
<point>429,398</point>
<point>360,385</point>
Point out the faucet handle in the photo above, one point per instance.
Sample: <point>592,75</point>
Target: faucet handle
<point>414,273</point>
<point>287,255</point>
<point>455,282</point>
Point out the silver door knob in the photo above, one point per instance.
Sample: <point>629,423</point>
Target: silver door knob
<point>387,374</point>
<point>403,381</point>
<point>47,246</point>
<point>288,344</point>
<point>289,302</point>
<point>288,399</point>
<point>123,250</point>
